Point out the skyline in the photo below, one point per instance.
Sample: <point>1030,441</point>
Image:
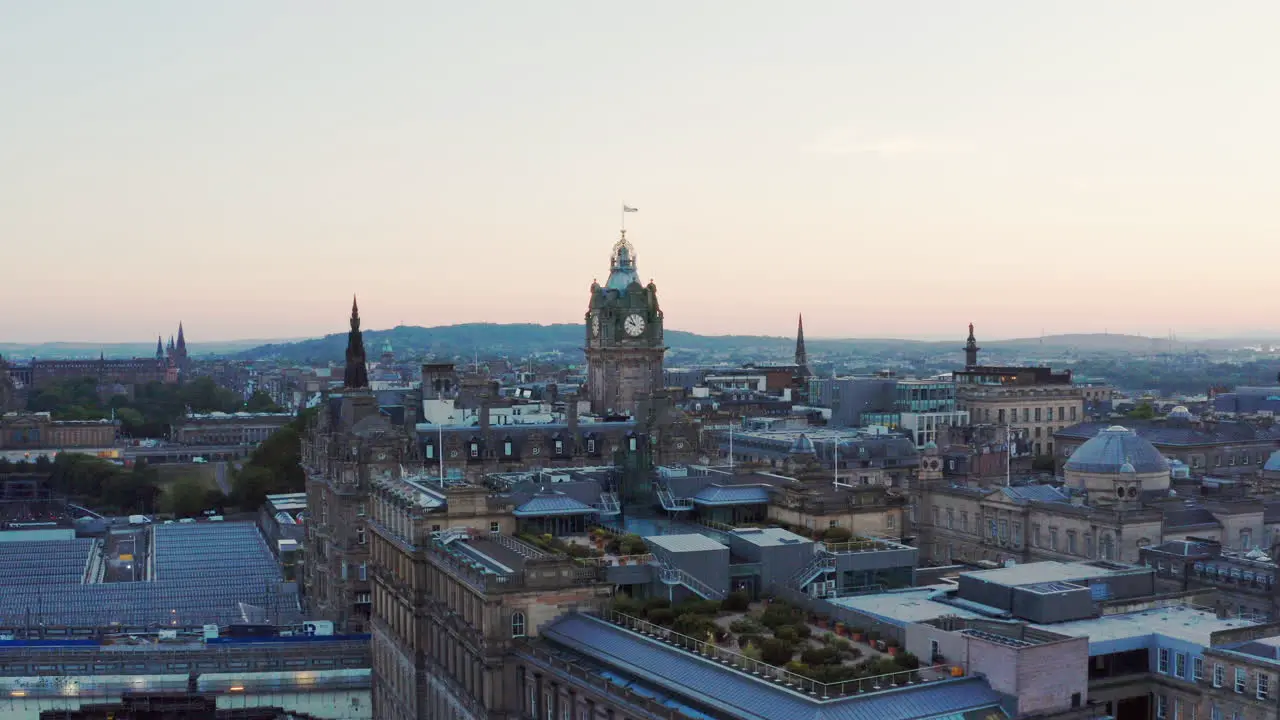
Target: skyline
<point>895,171</point>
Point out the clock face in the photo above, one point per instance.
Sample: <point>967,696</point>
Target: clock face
<point>634,325</point>
<point>595,325</point>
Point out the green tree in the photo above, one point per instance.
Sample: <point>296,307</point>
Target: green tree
<point>1143,411</point>
<point>259,401</point>
<point>184,498</point>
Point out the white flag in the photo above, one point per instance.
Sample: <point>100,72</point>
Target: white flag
<point>628,208</point>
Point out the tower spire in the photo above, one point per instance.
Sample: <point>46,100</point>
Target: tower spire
<point>802,356</point>
<point>159,348</point>
<point>971,349</point>
<point>182,340</point>
<point>356,375</point>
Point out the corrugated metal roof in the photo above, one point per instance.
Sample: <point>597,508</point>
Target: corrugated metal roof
<point>552,503</point>
<point>751,698</point>
<point>732,495</point>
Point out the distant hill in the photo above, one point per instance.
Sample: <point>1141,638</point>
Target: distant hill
<point>517,340</point>
<point>87,350</point>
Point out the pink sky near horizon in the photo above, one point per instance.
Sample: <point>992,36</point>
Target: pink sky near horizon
<point>888,169</point>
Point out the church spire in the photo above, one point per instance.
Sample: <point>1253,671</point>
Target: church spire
<point>971,349</point>
<point>802,356</point>
<point>159,348</point>
<point>356,375</point>
<point>182,341</point>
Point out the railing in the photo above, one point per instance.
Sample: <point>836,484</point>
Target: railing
<point>782,676</point>
<point>584,678</point>
<point>608,504</point>
<point>444,537</point>
<point>861,546</point>
<point>672,503</point>
<point>521,548</point>
<point>821,563</point>
<point>671,575</point>
<point>616,560</point>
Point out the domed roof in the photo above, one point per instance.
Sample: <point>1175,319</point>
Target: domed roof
<point>1114,448</point>
<point>1180,411</point>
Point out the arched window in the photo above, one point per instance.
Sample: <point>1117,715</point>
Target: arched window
<point>517,624</point>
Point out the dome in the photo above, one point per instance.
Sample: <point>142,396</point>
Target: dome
<point>1114,448</point>
<point>1180,411</point>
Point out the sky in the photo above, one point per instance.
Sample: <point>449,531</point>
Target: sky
<point>890,169</point>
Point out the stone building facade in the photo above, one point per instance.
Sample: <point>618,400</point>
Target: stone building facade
<point>623,337</point>
<point>37,431</point>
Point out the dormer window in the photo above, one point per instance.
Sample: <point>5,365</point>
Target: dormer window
<point>506,448</point>
<point>631,443</point>
<point>559,447</point>
<point>475,449</point>
<point>431,451</point>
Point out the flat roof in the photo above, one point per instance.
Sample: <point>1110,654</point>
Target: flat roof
<point>1049,571</point>
<point>769,537</point>
<point>685,543</point>
<point>903,607</point>
<point>1112,633</point>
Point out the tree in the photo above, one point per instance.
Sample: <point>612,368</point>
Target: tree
<point>184,498</point>
<point>259,402</point>
<point>1142,412</point>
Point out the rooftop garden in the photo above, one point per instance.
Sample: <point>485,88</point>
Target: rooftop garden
<point>775,634</point>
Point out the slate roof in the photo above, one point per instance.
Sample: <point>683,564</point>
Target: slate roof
<point>1035,493</point>
<point>1181,434</point>
<point>751,698</point>
<point>732,495</point>
<point>552,503</point>
<point>1112,448</point>
<point>1190,517</point>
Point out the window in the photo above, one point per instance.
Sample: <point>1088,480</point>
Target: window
<point>517,624</point>
<point>890,522</point>
<point>1180,665</point>
<point>1053,539</point>
<point>1035,534</point>
<point>631,443</point>
<point>1017,533</point>
<point>1062,413</point>
<point>1241,677</point>
<point>1162,663</point>
<point>364,571</point>
<point>343,572</point>
<point>475,450</point>
<point>1177,708</point>
<point>1246,539</point>
<point>361,509</point>
<point>591,445</point>
<point>951,519</point>
<point>431,451</point>
<point>494,527</point>
<point>1215,712</point>
<point>1162,706</point>
<point>1037,416</point>
<point>1071,541</point>
<point>1004,530</point>
<point>559,447</point>
<point>1264,686</point>
<point>1073,413</point>
<point>833,523</point>
<point>506,448</point>
<point>360,536</point>
<point>1197,669</point>
<point>964,520</point>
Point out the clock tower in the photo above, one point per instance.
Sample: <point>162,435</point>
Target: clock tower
<point>624,337</point>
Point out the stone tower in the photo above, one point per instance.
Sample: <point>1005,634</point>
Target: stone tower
<point>624,337</point>
<point>971,350</point>
<point>356,374</point>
